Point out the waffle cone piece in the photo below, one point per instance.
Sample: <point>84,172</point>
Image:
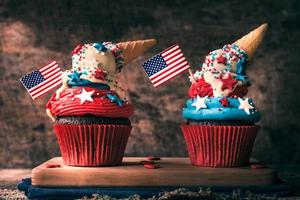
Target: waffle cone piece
<point>133,49</point>
<point>252,40</point>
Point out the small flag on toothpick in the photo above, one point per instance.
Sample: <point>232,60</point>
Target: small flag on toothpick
<point>42,81</point>
<point>166,65</point>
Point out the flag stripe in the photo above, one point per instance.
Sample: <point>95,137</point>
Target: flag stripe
<point>166,65</point>
<point>177,67</point>
<point>56,71</point>
<point>47,66</point>
<point>174,59</point>
<point>47,71</point>
<point>167,68</point>
<point>171,76</point>
<point>46,91</point>
<point>168,54</point>
<point>46,84</point>
<point>170,50</point>
<point>172,54</point>
<point>171,71</point>
<point>45,87</point>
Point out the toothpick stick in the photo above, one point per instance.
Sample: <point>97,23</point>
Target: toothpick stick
<point>192,76</point>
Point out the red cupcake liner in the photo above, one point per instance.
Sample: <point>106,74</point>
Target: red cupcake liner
<point>92,145</point>
<point>219,146</point>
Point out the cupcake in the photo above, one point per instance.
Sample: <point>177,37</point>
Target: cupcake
<point>91,118</point>
<point>220,128</point>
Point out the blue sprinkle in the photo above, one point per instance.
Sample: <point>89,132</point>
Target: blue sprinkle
<point>100,47</point>
<point>116,99</point>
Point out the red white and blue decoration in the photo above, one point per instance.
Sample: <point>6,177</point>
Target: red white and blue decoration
<point>199,103</point>
<point>42,81</point>
<point>166,65</point>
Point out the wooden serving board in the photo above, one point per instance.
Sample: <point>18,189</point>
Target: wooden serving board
<point>172,172</point>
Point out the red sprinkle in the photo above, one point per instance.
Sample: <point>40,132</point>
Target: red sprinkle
<point>52,165</point>
<point>257,166</point>
<point>151,166</point>
<point>143,162</point>
<point>153,158</point>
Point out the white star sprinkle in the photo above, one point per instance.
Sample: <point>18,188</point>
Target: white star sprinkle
<point>199,103</point>
<point>244,104</point>
<point>85,96</point>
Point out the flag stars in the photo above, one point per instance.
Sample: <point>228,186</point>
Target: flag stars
<point>85,96</point>
<point>199,103</point>
<point>154,65</point>
<point>32,79</point>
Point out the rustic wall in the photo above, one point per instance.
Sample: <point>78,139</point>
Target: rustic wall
<point>34,32</point>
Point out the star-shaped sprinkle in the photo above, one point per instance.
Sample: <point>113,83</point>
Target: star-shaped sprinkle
<point>224,102</point>
<point>75,77</point>
<point>100,47</point>
<point>116,99</point>
<point>244,105</point>
<point>221,59</point>
<point>85,96</point>
<point>100,74</point>
<point>199,103</point>
<point>228,83</point>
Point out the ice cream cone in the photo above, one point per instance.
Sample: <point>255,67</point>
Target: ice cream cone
<point>133,49</point>
<point>252,40</point>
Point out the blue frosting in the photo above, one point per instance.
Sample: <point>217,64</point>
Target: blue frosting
<point>75,81</point>
<point>241,66</point>
<point>215,111</point>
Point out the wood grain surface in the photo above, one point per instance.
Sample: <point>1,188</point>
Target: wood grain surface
<point>172,172</point>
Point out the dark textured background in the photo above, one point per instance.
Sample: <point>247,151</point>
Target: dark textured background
<point>34,32</point>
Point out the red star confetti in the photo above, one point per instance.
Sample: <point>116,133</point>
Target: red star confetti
<point>151,166</point>
<point>100,74</point>
<point>221,59</point>
<point>52,165</point>
<point>228,83</point>
<point>224,102</point>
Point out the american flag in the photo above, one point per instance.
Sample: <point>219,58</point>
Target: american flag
<point>166,65</point>
<point>42,81</point>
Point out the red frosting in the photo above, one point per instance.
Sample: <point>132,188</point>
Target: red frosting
<point>69,105</point>
<point>203,89</point>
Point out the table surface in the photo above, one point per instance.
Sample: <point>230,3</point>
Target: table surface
<point>10,177</point>
<point>172,171</point>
